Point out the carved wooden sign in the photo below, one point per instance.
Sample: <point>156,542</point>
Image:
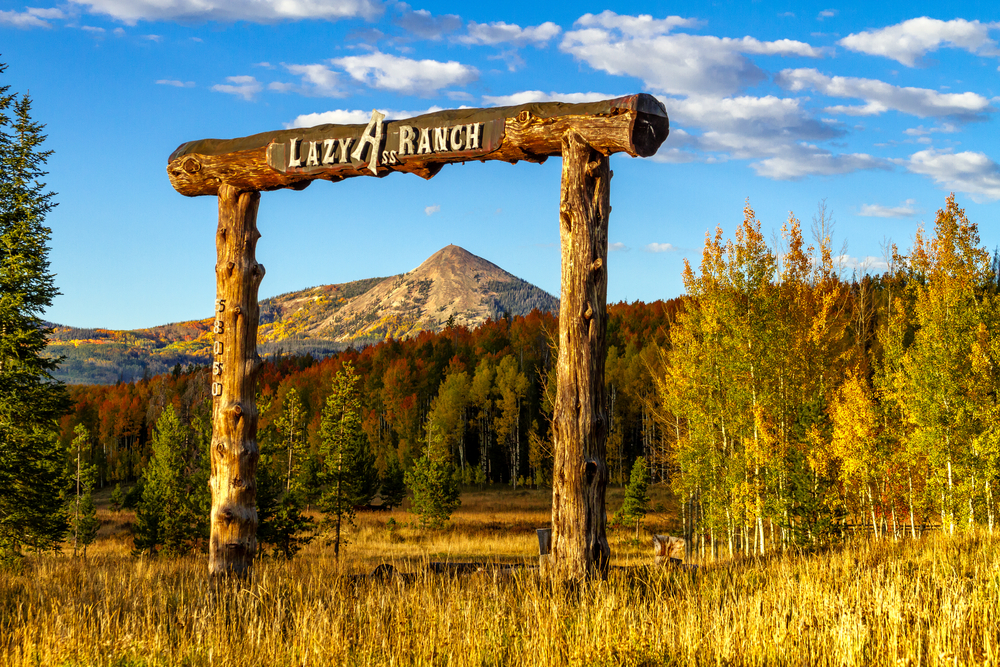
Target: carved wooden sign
<point>237,170</point>
<point>636,124</point>
<point>380,144</point>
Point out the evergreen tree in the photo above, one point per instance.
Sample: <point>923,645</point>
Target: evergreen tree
<point>32,470</point>
<point>349,472</point>
<point>393,489</point>
<point>85,521</point>
<point>292,427</point>
<point>117,498</point>
<point>636,503</point>
<point>432,483</point>
<point>168,519</point>
<point>83,512</point>
<point>279,510</point>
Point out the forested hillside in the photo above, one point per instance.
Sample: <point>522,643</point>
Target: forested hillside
<point>502,429</point>
<point>783,400</point>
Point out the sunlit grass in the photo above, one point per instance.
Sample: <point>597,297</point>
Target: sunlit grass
<point>934,601</point>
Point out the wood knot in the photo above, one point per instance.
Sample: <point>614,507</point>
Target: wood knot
<point>191,166</point>
<point>587,314</point>
<point>524,116</point>
<point>237,310</point>
<point>230,266</point>
<point>237,409</point>
<point>596,266</point>
<point>593,167</point>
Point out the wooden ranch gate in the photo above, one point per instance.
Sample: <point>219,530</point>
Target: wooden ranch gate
<point>238,170</point>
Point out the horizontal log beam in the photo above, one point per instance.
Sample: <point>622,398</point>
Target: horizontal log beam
<point>636,125</point>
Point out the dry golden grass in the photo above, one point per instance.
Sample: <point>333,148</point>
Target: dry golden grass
<point>934,602</point>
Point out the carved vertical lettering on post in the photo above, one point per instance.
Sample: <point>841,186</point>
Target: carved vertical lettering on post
<point>235,367</point>
<point>579,542</point>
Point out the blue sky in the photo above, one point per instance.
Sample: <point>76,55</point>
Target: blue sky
<point>881,109</point>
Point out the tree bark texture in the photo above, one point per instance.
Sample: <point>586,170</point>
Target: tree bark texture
<point>234,384</point>
<point>636,124</point>
<point>579,544</point>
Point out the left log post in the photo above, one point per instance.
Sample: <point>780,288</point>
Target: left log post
<point>235,365</point>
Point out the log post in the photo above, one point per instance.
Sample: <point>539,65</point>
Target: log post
<point>579,544</point>
<point>234,384</point>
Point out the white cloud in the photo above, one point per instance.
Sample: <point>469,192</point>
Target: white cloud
<point>32,17</point>
<point>905,210</point>
<point>531,96</point>
<point>800,161</point>
<point>91,29</point>
<point>153,38</point>
<point>970,172</point>
<point>880,96</point>
<point>909,41</point>
<point>243,86</point>
<point>351,117</point>
<point>642,25</point>
<point>660,247</point>
<point>404,75</point>
<point>421,23</point>
<point>317,80</point>
<point>675,64</point>
<point>618,247</point>
<point>46,13</point>
<point>258,11</point>
<point>499,32</point>
<point>747,126</point>
<point>175,83</point>
<point>827,14</point>
<point>431,210</point>
<point>920,130</point>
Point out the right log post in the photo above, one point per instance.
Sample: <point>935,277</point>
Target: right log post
<point>580,477</point>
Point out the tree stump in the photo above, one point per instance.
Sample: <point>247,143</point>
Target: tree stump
<point>579,544</point>
<point>234,385</point>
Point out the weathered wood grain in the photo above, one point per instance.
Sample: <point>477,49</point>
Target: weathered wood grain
<point>636,125</point>
<point>579,542</point>
<point>234,454</point>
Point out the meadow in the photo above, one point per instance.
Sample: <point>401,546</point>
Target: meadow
<point>931,601</point>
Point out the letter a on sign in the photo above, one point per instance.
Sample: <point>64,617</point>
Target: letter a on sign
<point>368,138</point>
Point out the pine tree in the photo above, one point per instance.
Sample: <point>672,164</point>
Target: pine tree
<point>279,510</point>
<point>117,498</point>
<point>393,489</point>
<point>349,472</point>
<point>32,470</point>
<point>635,506</point>
<point>85,522</point>
<point>83,511</point>
<point>432,483</point>
<point>168,519</point>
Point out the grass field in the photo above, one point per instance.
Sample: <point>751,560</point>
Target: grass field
<point>934,601</point>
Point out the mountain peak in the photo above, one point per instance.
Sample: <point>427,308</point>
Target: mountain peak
<point>452,285</point>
